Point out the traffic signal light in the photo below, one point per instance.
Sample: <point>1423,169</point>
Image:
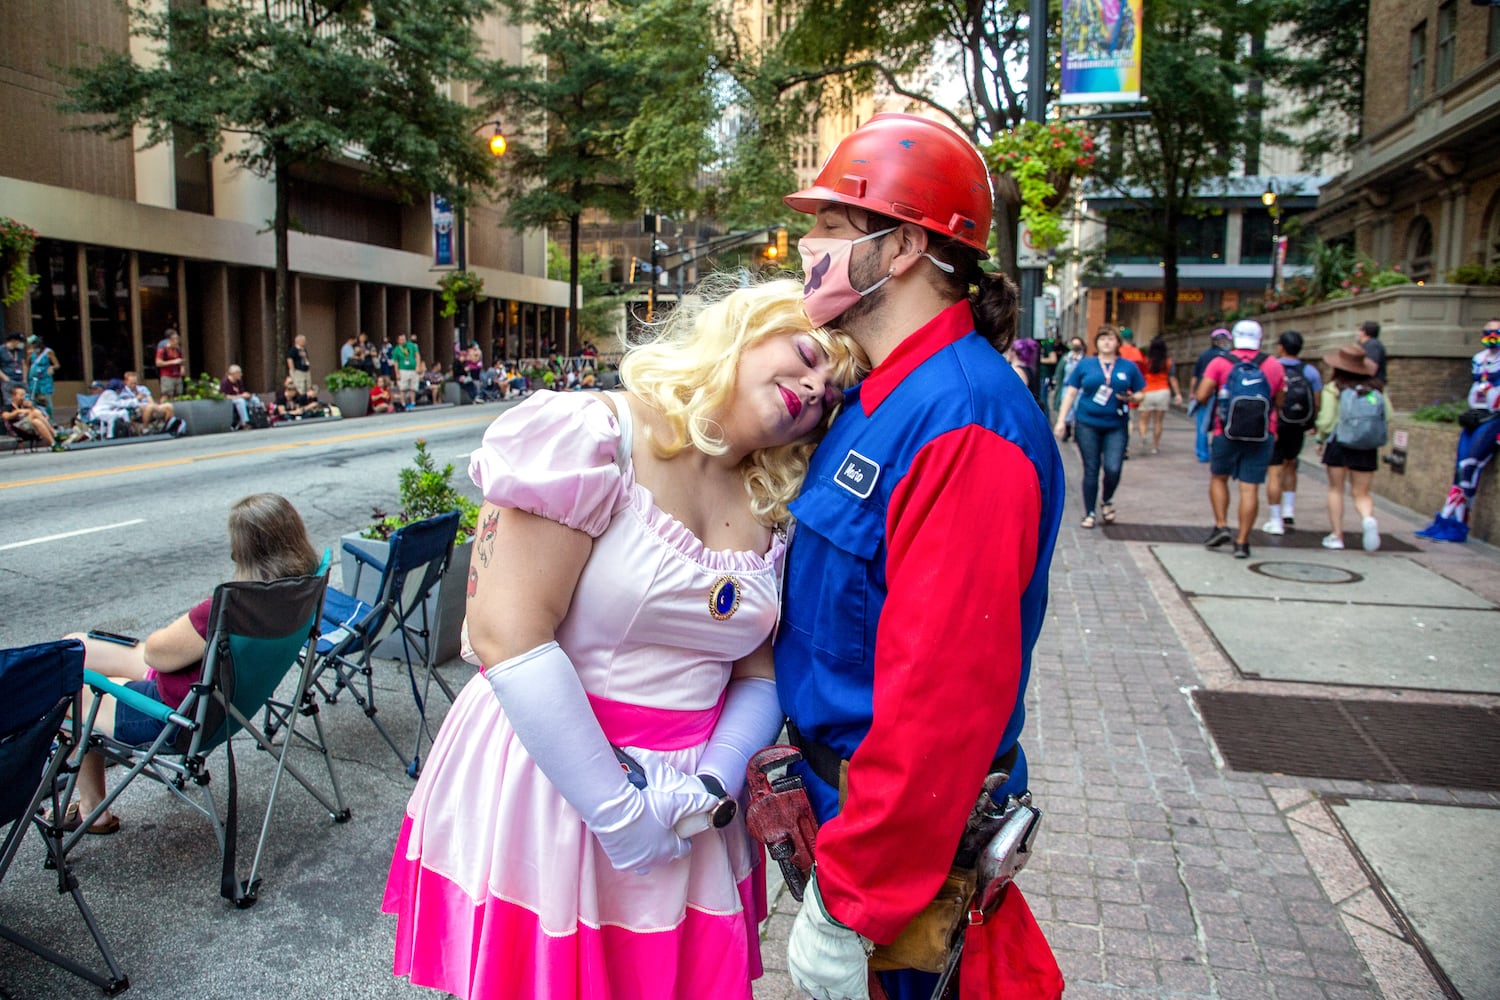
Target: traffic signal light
<point>781,244</point>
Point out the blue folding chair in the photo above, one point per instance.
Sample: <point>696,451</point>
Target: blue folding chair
<point>396,613</point>
<point>38,684</point>
<point>257,633</point>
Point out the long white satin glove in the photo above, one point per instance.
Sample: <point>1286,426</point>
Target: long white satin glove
<point>547,707</point>
<point>825,958</point>
<point>674,799</point>
<point>750,720</point>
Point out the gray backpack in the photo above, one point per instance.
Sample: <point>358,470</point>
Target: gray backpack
<point>1361,419</point>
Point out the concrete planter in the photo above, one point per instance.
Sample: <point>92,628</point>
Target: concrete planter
<point>205,416</point>
<point>445,607</point>
<point>352,402</point>
<point>1430,451</point>
<point>454,393</point>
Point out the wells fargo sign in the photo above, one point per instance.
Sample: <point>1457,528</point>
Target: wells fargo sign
<point>1155,295</point>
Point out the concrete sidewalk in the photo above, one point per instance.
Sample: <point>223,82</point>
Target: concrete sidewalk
<point>1161,872</point>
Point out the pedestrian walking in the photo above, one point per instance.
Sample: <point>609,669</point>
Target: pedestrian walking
<point>1202,414</point>
<point>1100,389</point>
<point>1161,391</point>
<point>1077,351</point>
<point>1353,417</point>
<point>1297,416</point>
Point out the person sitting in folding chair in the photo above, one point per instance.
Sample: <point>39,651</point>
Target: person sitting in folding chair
<point>267,541</point>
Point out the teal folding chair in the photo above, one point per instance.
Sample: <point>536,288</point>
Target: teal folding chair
<point>38,685</point>
<point>257,633</point>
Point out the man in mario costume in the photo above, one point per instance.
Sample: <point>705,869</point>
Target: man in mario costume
<point>916,580</point>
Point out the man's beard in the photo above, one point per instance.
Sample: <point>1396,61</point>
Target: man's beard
<point>863,273</point>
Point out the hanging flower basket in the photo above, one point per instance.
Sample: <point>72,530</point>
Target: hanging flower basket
<point>1035,165</point>
<point>17,241</point>
<point>458,287</point>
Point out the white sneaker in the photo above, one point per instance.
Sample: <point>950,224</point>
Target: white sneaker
<point>1333,541</point>
<point>1370,535</point>
<point>1273,527</point>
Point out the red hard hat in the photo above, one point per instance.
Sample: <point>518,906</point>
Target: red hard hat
<point>912,169</point>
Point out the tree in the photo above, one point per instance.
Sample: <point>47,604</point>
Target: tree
<point>299,83</point>
<point>1198,122</point>
<point>613,114</point>
<point>1325,70</point>
<point>601,299</point>
<point>836,48</point>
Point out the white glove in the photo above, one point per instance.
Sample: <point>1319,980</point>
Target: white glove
<point>546,705</point>
<point>677,801</point>
<point>825,958</point>
<point>751,719</point>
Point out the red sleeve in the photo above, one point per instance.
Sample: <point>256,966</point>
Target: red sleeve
<point>198,616</point>
<point>962,537</point>
<point>1215,371</point>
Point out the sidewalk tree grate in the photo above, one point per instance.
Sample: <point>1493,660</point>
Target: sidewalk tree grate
<point>1194,534</point>
<point>1447,746</point>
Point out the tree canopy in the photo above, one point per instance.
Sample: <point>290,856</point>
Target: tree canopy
<point>275,87</point>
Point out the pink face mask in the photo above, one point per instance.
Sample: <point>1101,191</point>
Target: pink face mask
<point>827,291</point>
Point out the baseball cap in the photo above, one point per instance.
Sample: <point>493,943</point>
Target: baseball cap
<point>1126,333</point>
<point>1247,335</point>
<point>1219,334</point>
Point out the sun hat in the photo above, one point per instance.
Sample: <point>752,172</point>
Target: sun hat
<point>1247,335</point>
<point>1351,358</point>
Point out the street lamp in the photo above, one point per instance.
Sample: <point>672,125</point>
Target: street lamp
<point>465,319</point>
<point>1268,199</point>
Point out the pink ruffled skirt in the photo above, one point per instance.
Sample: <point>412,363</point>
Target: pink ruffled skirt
<point>500,891</point>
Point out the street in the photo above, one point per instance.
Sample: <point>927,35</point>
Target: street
<point>127,537</point>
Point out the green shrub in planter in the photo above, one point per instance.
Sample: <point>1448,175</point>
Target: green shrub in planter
<point>348,378</point>
<point>205,386</point>
<point>426,491</point>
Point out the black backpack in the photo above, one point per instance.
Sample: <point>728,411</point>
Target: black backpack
<point>1297,398</point>
<point>1245,401</point>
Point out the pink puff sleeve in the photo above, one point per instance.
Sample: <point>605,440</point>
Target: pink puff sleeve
<point>555,455</point>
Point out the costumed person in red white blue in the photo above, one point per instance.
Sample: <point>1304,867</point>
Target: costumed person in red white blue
<point>917,573</point>
<point>575,833</point>
<point>1477,443</point>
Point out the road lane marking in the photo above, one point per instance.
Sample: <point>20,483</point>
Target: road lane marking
<point>288,446</point>
<point>71,534</point>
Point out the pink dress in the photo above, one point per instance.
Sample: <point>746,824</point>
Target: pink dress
<point>498,887</point>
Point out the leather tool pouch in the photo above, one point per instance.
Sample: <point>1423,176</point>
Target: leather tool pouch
<point>924,943</point>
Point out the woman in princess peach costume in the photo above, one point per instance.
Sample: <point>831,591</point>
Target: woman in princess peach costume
<point>623,595</point>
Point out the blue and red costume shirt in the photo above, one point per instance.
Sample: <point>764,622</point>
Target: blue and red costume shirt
<point>916,586</point>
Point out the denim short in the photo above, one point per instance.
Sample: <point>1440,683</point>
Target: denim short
<point>1244,461</point>
<point>133,727</point>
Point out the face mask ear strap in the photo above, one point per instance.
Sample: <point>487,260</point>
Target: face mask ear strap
<point>945,268</point>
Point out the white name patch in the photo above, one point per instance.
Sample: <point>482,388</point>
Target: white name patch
<point>857,474</point>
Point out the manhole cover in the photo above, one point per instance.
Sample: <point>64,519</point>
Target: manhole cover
<point>1447,746</point>
<point>1301,572</point>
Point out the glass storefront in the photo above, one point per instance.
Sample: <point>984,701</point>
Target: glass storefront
<point>54,305</point>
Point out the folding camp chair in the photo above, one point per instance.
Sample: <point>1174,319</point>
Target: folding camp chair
<point>352,628</point>
<point>257,633</point>
<point>39,684</point>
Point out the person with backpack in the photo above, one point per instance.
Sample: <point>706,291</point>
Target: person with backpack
<point>1218,348</point>
<point>1298,414</point>
<point>1353,417</point>
<point>1247,386</point>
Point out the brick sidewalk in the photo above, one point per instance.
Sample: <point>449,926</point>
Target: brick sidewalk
<point>1159,873</point>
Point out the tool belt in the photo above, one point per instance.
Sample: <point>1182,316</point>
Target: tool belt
<point>924,943</point>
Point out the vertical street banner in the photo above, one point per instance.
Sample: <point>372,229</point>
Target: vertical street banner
<point>442,232</point>
<point>1101,51</point>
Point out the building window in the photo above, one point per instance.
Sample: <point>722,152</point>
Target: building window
<point>1492,234</point>
<point>1255,238</point>
<point>1419,250</point>
<point>1418,74</point>
<point>1447,42</point>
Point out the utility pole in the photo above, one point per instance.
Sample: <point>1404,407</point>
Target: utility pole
<point>1036,111</point>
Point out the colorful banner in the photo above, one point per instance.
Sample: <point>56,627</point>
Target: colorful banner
<point>442,232</point>
<point>1101,51</point>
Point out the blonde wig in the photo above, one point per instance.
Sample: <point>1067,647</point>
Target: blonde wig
<point>688,371</point>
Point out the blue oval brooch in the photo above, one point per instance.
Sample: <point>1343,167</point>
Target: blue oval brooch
<point>724,599</point>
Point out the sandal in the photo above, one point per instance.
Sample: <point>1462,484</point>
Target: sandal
<point>1087,522</point>
<point>1108,510</point>
<point>72,821</point>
